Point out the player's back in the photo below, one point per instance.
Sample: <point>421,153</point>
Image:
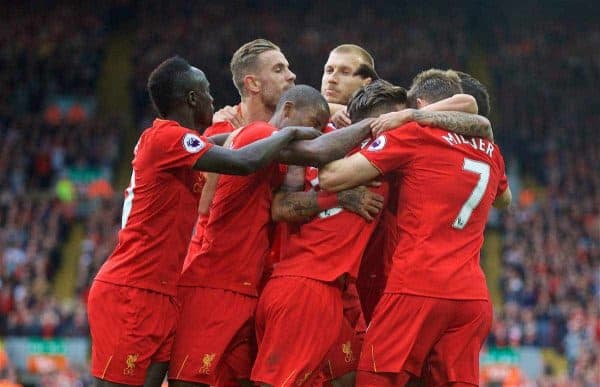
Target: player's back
<point>236,237</point>
<point>447,184</point>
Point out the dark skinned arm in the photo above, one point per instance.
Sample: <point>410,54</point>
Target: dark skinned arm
<point>251,157</point>
<point>329,147</point>
<point>219,139</point>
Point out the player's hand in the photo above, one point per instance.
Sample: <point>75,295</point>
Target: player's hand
<point>231,114</point>
<point>361,201</point>
<point>341,119</point>
<point>305,133</point>
<point>391,120</point>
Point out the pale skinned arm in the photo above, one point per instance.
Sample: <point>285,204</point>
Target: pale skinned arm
<point>453,114</point>
<point>504,199</point>
<point>347,173</point>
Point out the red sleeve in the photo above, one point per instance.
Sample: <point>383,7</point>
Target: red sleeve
<point>179,147</point>
<point>503,183</point>
<point>253,132</point>
<point>394,149</point>
<point>219,128</point>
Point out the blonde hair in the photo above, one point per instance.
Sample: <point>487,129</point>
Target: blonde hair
<point>363,54</point>
<point>244,60</point>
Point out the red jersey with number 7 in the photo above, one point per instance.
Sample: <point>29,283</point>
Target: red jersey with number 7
<point>446,186</point>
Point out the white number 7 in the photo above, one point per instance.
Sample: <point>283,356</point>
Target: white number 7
<point>483,170</point>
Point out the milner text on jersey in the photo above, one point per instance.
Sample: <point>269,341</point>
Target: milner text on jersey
<point>477,143</point>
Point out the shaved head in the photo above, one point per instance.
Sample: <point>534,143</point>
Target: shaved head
<point>170,82</point>
<point>302,105</point>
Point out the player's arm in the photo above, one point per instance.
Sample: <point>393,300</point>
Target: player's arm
<point>291,205</point>
<point>457,103</point>
<point>219,139</point>
<point>347,173</point>
<point>504,199</point>
<point>251,157</point>
<point>456,114</point>
<point>326,148</point>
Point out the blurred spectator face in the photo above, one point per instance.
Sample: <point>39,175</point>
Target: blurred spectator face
<point>274,76</point>
<point>339,82</point>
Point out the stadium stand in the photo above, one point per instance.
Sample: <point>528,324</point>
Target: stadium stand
<point>543,75</point>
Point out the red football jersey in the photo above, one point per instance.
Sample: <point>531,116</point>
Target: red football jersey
<point>219,128</point>
<point>214,129</point>
<point>329,245</point>
<point>159,211</point>
<point>236,238</point>
<point>446,186</point>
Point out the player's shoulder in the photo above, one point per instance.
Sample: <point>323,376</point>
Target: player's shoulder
<point>219,128</point>
<point>165,134</point>
<point>253,132</point>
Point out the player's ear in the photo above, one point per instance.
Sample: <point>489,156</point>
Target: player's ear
<point>191,98</point>
<point>288,109</point>
<point>252,84</point>
<point>420,103</point>
<point>367,81</point>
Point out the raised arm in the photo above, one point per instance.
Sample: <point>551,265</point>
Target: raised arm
<point>252,157</point>
<point>329,147</point>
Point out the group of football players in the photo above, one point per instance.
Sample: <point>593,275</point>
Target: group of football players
<point>260,241</point>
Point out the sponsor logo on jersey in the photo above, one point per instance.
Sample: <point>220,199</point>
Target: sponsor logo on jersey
<point>378,144</point>
<point>193,143</point>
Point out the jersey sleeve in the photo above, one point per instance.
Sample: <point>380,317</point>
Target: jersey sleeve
<point>219,128</point>
<point>394,149</point>
<point>179,147</point>
<point>503,182</point>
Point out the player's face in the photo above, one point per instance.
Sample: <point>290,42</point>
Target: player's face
<point>315,118</point>
<point>274,76</point>
<point>339,82</point>
<point>204,107</point>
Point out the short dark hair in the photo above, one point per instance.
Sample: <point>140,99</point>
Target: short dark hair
<point>473,87</point>
<point>165,86</point>
<point>303,96</point>
<point>245,58</point>
<point>378,95</point>
<point>434,85</point>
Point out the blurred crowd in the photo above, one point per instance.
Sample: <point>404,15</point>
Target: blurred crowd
<point>546,75</point>
<point>51,148</point>
<point>542,75</point>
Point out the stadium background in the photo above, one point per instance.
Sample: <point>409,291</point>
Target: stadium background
<point>73,102</point>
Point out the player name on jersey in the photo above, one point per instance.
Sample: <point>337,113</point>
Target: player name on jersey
<point>479,144</point>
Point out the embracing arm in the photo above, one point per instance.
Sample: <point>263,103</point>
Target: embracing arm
<point>504,200</point>
<point>467,124</point>
<point>326,148</point>
<point>290,206</point>
<point>252,157</point>
<point>219,139</point>
<point>347,173</point>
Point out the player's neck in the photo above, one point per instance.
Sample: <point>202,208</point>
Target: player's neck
<point>254,110</point>
<point>182,118</point>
